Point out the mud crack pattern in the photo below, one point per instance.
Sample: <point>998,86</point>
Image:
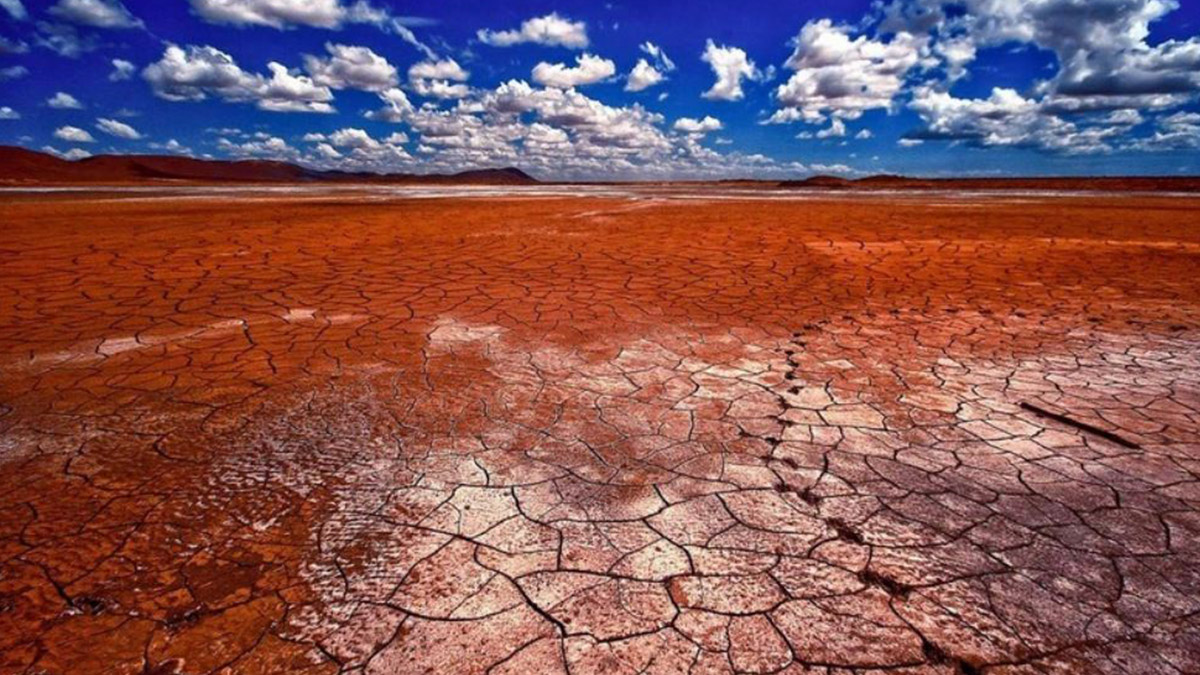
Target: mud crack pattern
<point>927,435</point>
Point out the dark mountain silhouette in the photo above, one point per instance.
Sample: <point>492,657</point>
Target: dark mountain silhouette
<point>1083,183</point>
<point>28,167</point>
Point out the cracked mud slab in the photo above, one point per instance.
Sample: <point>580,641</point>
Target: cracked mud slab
<point>597,435</point>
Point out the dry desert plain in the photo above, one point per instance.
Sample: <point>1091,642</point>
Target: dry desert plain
<point>599,430</point>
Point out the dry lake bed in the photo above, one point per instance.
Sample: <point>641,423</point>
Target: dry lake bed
<point>598,430</point>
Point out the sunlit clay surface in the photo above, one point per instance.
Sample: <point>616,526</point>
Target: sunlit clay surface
<point>606,430</point>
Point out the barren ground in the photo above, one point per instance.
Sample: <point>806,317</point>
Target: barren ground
<point>358,433</point>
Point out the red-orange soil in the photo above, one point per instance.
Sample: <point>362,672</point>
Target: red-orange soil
<point>373,434</point>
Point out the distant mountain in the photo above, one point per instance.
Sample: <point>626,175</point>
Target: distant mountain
<point>1093,183</point>
<point>21,166</point>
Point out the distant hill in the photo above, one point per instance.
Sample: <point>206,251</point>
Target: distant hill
<point>1095,183</point>
<point>21,166</point>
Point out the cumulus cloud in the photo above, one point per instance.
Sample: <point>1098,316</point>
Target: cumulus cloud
<point>118,129</point>
<point>96,13</point>
<point>1106,73</point>
<point>1101,47</point>
<point>438,78</point>
<point>286,13</point>
<point>689,125</point>
<point>551,30</point>
<point>196,72</point>
<point>441,89</point>
<point>1180,131</point>
<point>351,67</point>
<point>837,74</point>
<point>545,130</point>
<point>1005,119</point>
<point>396,106</point>
<point>645,74</point>
<point>73,135</point>
<point>7,113</point>
<point>172,146</point>
<point>351,148</point>
<point>122,70</point>
<point>836,129</point>
<point>64,101</point>
<point>264,147</point>
<point>446,69</point>
<point>731,66</point>
<point>589,69</point>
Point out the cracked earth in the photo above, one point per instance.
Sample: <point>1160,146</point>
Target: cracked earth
<point>911,435</point>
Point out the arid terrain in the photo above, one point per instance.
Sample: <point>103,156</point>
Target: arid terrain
<point>608,430</point>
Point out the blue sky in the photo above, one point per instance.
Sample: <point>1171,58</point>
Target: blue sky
<point>648,89</point>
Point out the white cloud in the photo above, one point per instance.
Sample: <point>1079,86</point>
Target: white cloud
<point>730,65</point>
<point>72,154</point>
<point>396,106</point>
<point>844,76</point>
<point>73,135</point>
<point>122,70</point>
<point>643,76</point>
<point>1105,74</point>
<point>195,72</point>
<point>441,89</point>
<point>689,125</point>
<point>352,138</point>
<point>1125,117</point>
<point>7,113</point>
<point>13,73</point>
<point>269,147</point>
<point>15,9</point>
<point>436,78</point>
<point>836,129</point>
<point>356,149</point>
<point>285,13</point>
<point>589,69</point>
<point>864,134</point>
<point>661,60</point>
<point>326,151</point>
<point>1005,119</point>
<point>351,67</point>
<point>96,13</point>
<point>172,146</point>
<point>406,34</point>
<point>118,129</point>
<point>551,30</point>
<point>64,101</point>
<point>445,69</point>
<point>1180,131</point>
<point>1100,46</point>
<point>64,39</point>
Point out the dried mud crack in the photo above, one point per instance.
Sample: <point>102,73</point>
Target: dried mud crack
<point>584,435</point>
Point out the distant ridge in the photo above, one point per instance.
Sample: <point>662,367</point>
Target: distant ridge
<point>21,166</point>
<point>1069,183</point>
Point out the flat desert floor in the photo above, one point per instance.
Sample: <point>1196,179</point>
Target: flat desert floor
<point>598,431</point>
